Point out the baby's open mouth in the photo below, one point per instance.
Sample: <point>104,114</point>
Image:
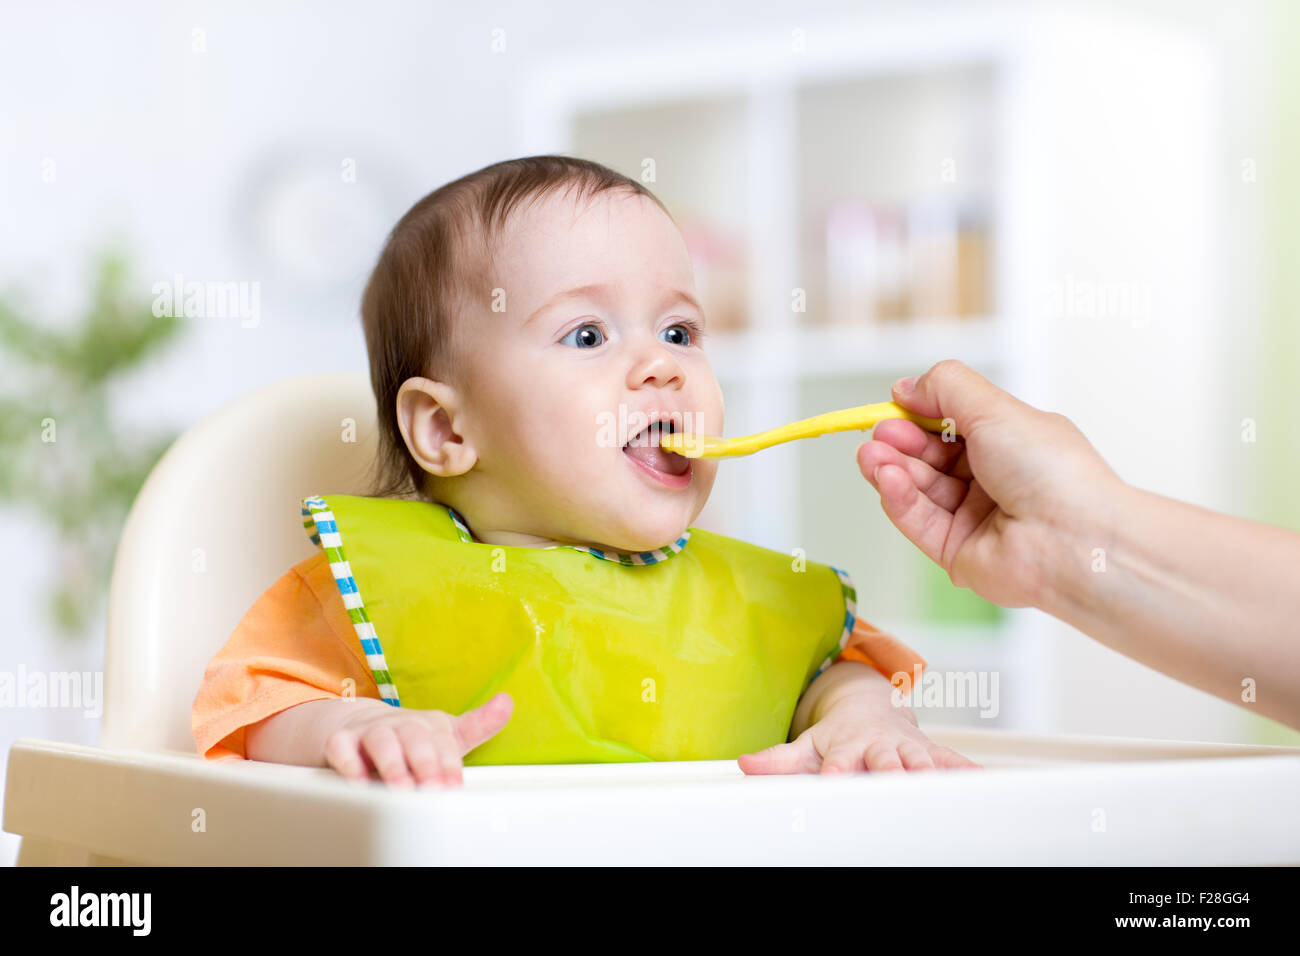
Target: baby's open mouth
<point>644,448</point>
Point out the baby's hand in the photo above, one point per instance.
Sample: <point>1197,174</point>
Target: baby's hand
<point>858,732</point>
<point>431,742</point>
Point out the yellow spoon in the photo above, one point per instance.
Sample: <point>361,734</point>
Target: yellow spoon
<point>848,419</point>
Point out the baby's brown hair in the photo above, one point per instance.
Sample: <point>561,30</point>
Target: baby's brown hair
<point>432,276</point>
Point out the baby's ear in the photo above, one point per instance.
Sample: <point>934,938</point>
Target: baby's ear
<point>425,412</point>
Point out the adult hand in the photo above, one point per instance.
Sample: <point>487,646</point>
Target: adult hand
<point>988,505</point>
<point>1024,512</point>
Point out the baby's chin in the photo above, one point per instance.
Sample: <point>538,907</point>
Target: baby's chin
<point>641,533</point>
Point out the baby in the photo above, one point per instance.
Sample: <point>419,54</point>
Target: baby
<point>524,584</point>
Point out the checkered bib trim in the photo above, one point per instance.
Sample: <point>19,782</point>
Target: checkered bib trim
<point>850,617</point>
<point>319,523</point>
<point>618,557</point>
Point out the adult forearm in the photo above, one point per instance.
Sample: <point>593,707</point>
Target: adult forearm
<point>1209,599</point>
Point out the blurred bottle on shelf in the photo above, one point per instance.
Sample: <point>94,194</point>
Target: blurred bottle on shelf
<point>866,260</point>
<point>890,262</point>
<point>720,273</point>
<point>932,258</point>
<point>850,260</point>
<point>974,263</point>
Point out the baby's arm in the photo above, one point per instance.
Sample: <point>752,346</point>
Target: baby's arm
<point>840,678</point>
<point>352,735</point>
<point>298,734</point>
<point>297,643</point>
<point>850,723</point>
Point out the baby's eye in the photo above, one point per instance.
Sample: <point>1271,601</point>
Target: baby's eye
<point>676,335</point>
<point>584,337</point>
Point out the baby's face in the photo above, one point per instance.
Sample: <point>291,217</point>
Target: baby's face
<point>599,337</point>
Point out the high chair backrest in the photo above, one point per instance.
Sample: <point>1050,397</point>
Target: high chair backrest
<point>216,523</point>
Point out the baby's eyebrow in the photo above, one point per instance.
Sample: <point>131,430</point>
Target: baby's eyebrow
<point>600,291</point>
<point>678,295</point>
<point>595,291</point>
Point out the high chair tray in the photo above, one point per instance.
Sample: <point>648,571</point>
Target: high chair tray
<point>1040,800</point>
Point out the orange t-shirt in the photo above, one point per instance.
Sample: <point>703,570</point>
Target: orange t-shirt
<point>296,643</point>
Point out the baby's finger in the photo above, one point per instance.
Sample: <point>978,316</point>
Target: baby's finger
<point>846,758</point>
<point>483,722</point>
<point>421,753</point>
<point>946,757</point>
<point>385,750</point>
<point>342,752</point>
<point>449,757</point>
<point>914,756</point>
<point>882,756</point>
<point>796,757</point>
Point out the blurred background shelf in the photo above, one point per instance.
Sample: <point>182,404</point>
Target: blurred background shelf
<point>897,348</point>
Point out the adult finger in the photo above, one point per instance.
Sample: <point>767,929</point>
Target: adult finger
<point>944,491</point>
<point>950,389</point>
<point>920,520</point>
<point>911,439</point>
<point>978,508</point>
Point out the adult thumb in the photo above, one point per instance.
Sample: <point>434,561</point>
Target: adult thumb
<point>483,722</point>
<point>950,389</point>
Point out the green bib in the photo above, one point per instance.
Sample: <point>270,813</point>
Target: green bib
<point>684,653</point>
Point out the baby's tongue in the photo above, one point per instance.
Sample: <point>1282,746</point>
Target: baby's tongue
<point>644,449</point>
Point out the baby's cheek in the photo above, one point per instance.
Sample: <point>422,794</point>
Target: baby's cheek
<point>712,414</point>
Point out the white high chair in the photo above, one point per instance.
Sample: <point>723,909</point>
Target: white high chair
<point>217,522</point>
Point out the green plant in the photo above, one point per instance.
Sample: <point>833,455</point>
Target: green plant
<point>62,455</point>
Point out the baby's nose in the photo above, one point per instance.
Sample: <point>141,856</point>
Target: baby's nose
<point>656,367</point>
